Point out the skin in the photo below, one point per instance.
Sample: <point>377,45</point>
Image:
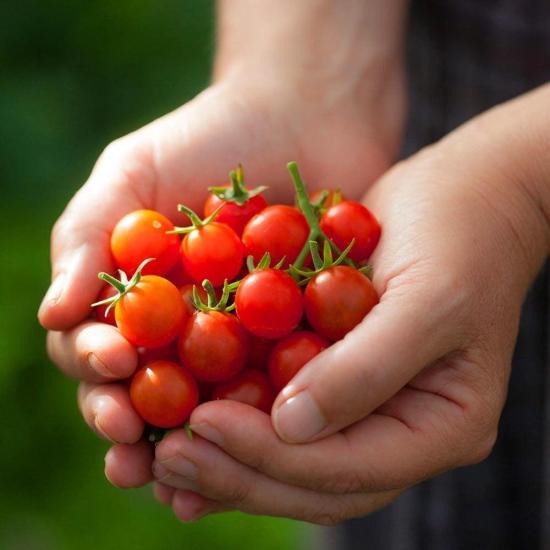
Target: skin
<point>465,230</point>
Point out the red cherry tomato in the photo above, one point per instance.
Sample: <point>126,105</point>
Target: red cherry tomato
<point>351,220</point>
<point>337,299</point>
<point>178,275</point>
<point>232,214</point>
<point>269,303</point>
<point>166,353</point>
<point>152,313</point>
<point>213,252</point>
<point>187,295</point>
<point>258,355</point>
<point>107,291</point>
<point>164,394</point>
<point>213,346</point>
<point>141,235</point>
<point>250,387</point>
<point>280,230</point>
<point>291,354</point>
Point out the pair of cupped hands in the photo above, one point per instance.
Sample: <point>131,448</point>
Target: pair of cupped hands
<point>416,389</point>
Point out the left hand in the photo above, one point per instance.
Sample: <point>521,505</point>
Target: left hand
<point>414,390</point>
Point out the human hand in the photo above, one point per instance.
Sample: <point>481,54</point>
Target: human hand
<point>418,387</point>
<point>173,160</point>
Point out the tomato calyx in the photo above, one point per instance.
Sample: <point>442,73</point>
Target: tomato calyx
<point>196,221</point>
<point>320,204</point>
<point>237,193</point>
<point>264,263</point>
<point>324,263</point>
<point>312,217</point>
<point>122,285</point>
<point>212,302</point>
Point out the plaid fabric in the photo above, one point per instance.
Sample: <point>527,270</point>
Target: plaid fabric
<point>464,57</point>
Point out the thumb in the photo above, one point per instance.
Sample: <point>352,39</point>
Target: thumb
<point>80,242</point>
<point>400,336</point>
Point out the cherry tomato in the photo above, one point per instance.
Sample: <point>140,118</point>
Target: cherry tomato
<point>107,291</point>
<point>280,230</point>
<point>250,387</point>
<point>213,345</point>
<point>166,353</point>
<point>269,303</point>
<point>232,214</point>
<point>213,252</point>
<point>164,394</point>
<point>178,275</point>
<point>351,220</point>
<point>152,313</point>
<point>187,295</point>
<point>141,235</point>
<point>258,355</point>
<point>337,299</point>
<point>291,354</point>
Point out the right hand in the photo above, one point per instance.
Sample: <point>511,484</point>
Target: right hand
<point>169,161</point>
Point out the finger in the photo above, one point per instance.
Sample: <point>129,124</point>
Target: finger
<point>436,425</point>
<point>80,238</point>
<point>163,493</point>
<point>107,410</point>
<point>202,467</point>
<point>350,379</point>
<point>190,506</point>
<point>129,466</point>
<point>95,352</point>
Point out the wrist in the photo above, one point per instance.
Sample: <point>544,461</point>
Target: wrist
<point>503,155</point>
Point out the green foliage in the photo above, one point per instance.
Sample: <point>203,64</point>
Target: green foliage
<point>75,75</point>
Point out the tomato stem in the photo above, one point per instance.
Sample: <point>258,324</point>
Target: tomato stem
<point>196,221</point>
<point>122,286</point>
<point>308,210</point>
<point>237,193</point>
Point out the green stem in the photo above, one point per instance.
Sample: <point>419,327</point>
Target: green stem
<point>120,286</point>
<point>315,231</point>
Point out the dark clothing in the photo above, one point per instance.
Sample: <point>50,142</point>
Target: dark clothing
<point>464,57</point>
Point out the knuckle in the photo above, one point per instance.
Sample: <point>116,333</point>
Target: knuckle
<point>115,150</point>
<point>238,494</point>
<point>328,514</point>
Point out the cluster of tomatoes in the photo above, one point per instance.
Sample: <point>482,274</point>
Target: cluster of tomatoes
<point>237,306</point>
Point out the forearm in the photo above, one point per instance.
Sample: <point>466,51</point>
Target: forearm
<point>343,56</point>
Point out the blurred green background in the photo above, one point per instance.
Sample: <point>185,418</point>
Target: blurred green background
<point>74,76</point>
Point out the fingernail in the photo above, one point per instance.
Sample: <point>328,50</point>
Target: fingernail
<point>298,418</point>
<point>54,293</point>
<point>159,471</point>
<point>98,366</point>
<point>181,466</point>
<point>100,429</point>
<point>206,431</point>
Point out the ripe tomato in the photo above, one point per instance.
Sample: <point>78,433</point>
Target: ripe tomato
<point>186,292</point>
<point>280,230</point>
<point>269,303</point>
<point>152,313</point>
<point>258,355</point>
<point>106,292</point>
<point>164,394</point>
<point>232,214</point>
<point>250,387</point>
<point>291,354</point>
<point>337,299</point>
<point>166,353</point>
<point>178,276</point>
<point>140,235</point>
<point>213,252</point>
<point>351,220</point>
<point>213,345</point>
